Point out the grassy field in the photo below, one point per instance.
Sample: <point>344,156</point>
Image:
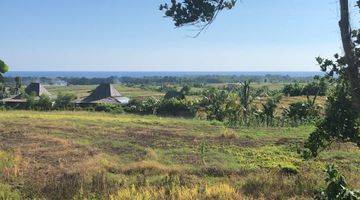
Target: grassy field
<point>65,155</point>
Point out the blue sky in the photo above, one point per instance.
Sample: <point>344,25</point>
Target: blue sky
<point>128,35</point>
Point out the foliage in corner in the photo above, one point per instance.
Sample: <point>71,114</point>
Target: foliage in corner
<point>3,69</point>
<point>337,188</point>
<point>341,122</point>
<point>200,13</point>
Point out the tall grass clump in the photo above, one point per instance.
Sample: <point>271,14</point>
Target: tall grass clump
<point>219,191</point>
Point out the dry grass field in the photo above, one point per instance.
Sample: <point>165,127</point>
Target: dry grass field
<point>88,155</point>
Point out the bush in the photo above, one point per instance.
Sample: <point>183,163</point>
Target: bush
<point>292,90</point>
<point>147,106</point>
<point>300,112</point>
<point>289,170</point>
<point>44,103</point>
<point>267,114</point>
<point>30,100</point>
<point>337,187</point>
<point>7,193</point>
<point>65,100</point>
<point>173,94</point>
<point>175,107</point>
<point>341,123</point>
<point>215,105</point>
<point>111,108</point>
<point>314,88</point>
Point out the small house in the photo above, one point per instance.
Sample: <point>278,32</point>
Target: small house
<point>35,89</point>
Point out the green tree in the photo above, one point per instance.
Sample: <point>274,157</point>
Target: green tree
<point>3,69</point>
<point>214,102</point>
<point>64,100</point>
<point>269,108</point>
<point>245,101</point>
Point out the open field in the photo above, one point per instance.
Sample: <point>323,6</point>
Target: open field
<point>61,154</point>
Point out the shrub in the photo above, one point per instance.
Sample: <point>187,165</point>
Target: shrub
<point>300,112</point>
<point>170,107</point>
<point>214,104</point>
<point>175,107</point>
<point>341,123</point>
<point>30,101</point>
<point>267,114</point>
<point>7,193</point>
<point>44,103</point>
<point>292,90</point>
<point>289,170</point>
<point>337,187</point>
<point>64,100</point>
<point>111,108</point>
<point>147,106</point>
<point>318,87</point>
<point>173,94</point>
<point>315,88</point>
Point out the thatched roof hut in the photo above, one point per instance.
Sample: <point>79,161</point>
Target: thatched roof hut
<point>105,93</point>
<point>35,89</point>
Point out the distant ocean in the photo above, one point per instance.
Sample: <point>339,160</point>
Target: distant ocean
<point>105,74</point>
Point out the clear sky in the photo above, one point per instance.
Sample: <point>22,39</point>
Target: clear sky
<point>131,35</point>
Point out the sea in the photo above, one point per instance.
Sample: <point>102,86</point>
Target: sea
<point>139,74</point>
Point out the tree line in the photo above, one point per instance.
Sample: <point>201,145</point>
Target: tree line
<point>159,80</point>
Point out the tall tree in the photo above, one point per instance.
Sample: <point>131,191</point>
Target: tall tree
<point>352,54</point>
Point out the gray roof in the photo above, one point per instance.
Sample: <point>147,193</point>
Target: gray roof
<point>37,89</point>
<point>104,91</point>
<point>32,89</point>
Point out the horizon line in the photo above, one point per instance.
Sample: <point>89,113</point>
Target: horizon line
<point>162,71</point>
